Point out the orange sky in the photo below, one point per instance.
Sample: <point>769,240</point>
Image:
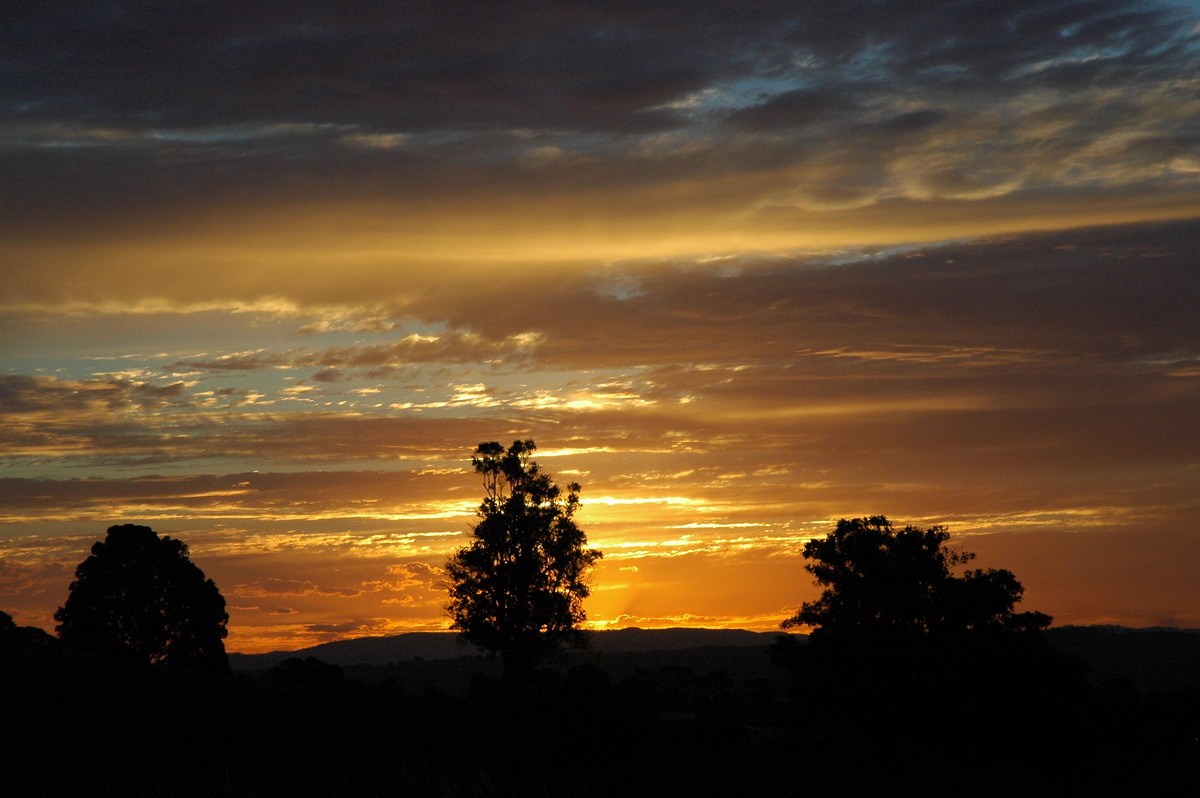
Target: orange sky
<point>271,274</point>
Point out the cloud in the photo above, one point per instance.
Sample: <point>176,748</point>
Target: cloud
<point>352,628</point>
<point>256,360</point>
<point>416,573</point>
<point>796,108</point>
<point>1037,296</point>
<point>410,582</point>
<point>1013,333</point>
<point>452,347</point>
<point>399,497</point>
<point>18,579</point>
<point>719,130</point>
<point>542,65</point>
<point>286,67</point>
<point>629,621</point>
<point>743,268</point>
<point>328,375</point>
<point>22,394</point>
<point>291,587</point>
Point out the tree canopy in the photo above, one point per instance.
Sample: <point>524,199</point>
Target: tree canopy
<point>911,652</point>
<point>140,597</point>
<point>518,588</point>
<point>882,582</point>
<point>30,634</point>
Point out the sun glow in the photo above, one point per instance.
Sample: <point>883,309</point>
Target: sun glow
<point>737,286</point>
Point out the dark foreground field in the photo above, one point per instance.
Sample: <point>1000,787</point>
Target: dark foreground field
<point>712,720</point>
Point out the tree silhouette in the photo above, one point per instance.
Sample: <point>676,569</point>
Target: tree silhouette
<point>309,673</point>
<point>517,589</point>
<point>883,583</point>
<point>909,660</point>
<point>29,634</point>
<point>139,597</point>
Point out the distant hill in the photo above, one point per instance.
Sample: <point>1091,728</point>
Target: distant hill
<point>665,712</point>
<point>1155,660</point>
<point>1159,659</point>
<point>444,645</point>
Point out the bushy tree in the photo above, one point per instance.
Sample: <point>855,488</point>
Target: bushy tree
<point>518,588</point>
<point>139,597</point>
<point>28,634</point>
<point>911,654</point>
<point>886,583</point>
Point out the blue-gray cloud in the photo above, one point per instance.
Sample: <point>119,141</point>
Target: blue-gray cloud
<point>119,111</point>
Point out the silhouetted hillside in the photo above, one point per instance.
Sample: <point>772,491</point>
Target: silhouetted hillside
<point>363,651</point>
<point>89,726</point>
<point>1155,660</point>
<point>708,720</point>
<point>453,677</point>
<point>445,645</point>
<point>1159,659</point>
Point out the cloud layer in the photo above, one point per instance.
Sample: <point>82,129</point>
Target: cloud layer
<point>272,270</point>
<point>179,152</point>
<point>716,416</point>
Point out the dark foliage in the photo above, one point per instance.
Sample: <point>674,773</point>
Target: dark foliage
<point>446,646</point>
<point>1152,660</point>
<point>310,673</point>
<point>138,597</point>
<point>10,632</point>
<point>666,724</point>
<point>517,589</point>
<point>918,675</point>
<point>883,584</point>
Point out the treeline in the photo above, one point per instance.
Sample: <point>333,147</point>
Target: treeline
<point>91,725</point>
<point>920,676</point>
<point>662,724</point>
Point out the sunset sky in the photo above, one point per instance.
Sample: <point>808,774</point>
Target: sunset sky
<point>272,270</point>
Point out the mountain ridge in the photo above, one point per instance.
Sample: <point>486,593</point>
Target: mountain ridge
<point>1161,658</point>
<point>444,645</point>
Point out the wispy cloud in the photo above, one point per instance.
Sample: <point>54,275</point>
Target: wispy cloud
<point>558,135</point>
<point>741,269</point>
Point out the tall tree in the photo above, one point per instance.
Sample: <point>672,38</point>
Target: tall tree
<point>139,597</point>
<point>882,582</point>
<point>518,588</point>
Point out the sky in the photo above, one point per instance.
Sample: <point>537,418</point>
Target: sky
<point>271,271</point>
